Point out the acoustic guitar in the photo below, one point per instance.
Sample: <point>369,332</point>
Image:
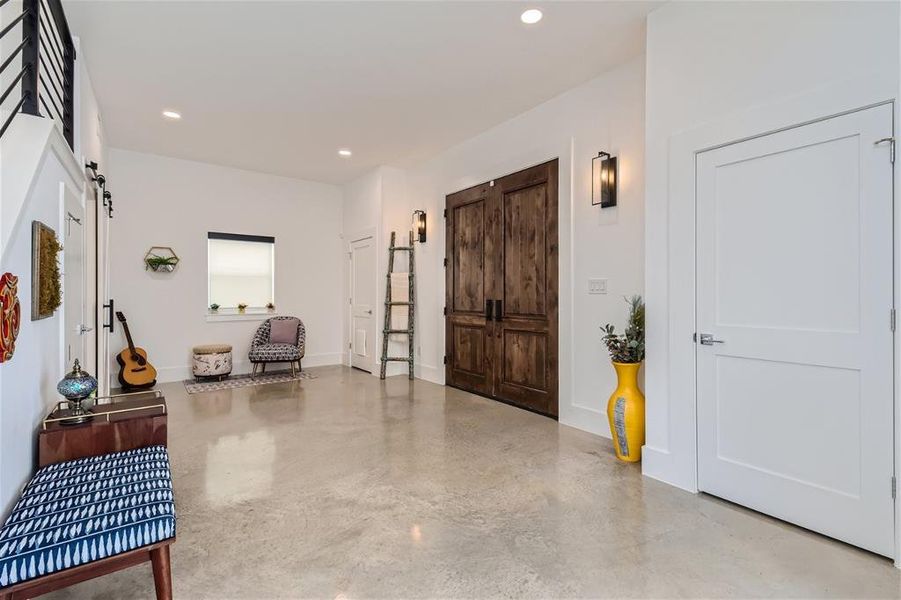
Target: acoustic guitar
<point>135,371</point>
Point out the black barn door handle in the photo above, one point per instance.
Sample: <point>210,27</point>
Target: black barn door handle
<point>498,310</point>
<point>488,306</point>
<point>112,321</point>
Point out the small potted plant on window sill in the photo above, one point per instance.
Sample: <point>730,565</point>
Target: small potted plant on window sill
<point>242,308</point>
<point>214,307</point>
<point>270,307</point>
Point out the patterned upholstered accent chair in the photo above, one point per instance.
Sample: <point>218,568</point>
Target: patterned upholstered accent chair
<point>263,351</point>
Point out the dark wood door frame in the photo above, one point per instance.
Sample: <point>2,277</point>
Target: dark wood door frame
<point>502,287</point>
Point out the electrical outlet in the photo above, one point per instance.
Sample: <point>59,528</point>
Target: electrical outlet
<point>597,286</point>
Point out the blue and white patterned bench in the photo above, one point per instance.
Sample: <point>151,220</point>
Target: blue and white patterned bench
<point>82,518</point>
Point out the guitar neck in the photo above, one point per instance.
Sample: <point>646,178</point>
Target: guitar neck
<point>131,344</point>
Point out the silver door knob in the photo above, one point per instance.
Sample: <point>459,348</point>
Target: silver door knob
<point>84,329</point>
<point>707,339</point>
<point>369,311</point>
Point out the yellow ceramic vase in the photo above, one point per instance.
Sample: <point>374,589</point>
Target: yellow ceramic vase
<point>625,411</point>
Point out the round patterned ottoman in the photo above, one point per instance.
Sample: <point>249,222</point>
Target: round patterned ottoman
<point>212,360</point>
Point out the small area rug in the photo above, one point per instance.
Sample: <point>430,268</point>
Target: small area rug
<point>238,381</point>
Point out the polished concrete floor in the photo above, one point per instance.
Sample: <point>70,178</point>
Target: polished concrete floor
<point>348,487</point>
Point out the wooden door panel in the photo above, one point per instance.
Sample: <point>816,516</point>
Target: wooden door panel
<point>525,251</point>
<point>525,359</point>
<point>469,257</point>
<point>527,371</point>
<point>469,345</point>
<point>468,362</point>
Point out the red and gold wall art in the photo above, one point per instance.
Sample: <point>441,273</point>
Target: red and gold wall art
<point>10,315</point>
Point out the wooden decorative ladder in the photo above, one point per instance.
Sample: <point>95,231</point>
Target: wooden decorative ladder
<point>390,304</point>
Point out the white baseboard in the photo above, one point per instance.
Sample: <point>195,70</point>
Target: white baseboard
<point>586,419</point>
<point>658,464</point>
<point>321,360</point>
<point>180,373</point>
<point>429,373</point>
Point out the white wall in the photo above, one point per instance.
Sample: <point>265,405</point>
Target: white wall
<point>606,113</point>
<point>34,162</point>
<point>712,66</point>
<point>28,382</point>
<point>89,136</point>
<point>170,202</point>
<point>362,202</point>
<point>362,214</point>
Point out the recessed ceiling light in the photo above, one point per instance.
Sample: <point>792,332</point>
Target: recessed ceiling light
<point>531,16</point>
<point>171,114</point>
<point>344,152</point>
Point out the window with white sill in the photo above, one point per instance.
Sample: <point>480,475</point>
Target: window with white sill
<point>241,270</point>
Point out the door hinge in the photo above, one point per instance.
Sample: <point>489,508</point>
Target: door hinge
<point>891,142</point>
<point>445,213</point>
<point>894,487</point>
<point>445,362</point>
<point>445,311</point>
<point>892,319</point>
<point>350,345</point>
<point>445,263</point>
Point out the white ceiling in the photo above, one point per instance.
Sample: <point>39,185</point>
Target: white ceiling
<point>278,87</point>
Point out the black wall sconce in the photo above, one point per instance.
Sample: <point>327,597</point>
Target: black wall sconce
<point>603,180</point>
<point>419,225</point>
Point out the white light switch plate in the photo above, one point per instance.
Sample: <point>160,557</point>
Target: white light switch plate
<point>597,286</point>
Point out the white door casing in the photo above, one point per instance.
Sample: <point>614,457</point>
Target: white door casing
<point>794,276</point>
<point>362,304</point>
<point>75,324</point>
<point>105,318</point>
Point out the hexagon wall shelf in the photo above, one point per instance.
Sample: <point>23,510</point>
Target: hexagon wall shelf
<point>161,259</point>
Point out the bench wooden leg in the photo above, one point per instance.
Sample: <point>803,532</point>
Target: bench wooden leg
<point>162,574</point>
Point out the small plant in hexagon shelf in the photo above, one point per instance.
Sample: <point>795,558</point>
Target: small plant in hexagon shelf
<point>160,259</point>
<point>242,307</point>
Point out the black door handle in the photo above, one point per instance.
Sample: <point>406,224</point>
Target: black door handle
<point>112,321</point>
<point>498,310</point>
<point>488,306</point>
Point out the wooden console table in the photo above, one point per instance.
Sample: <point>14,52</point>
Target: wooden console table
<point>121,422</point>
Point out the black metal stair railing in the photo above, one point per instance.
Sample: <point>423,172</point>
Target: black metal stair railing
<point>47,75</point>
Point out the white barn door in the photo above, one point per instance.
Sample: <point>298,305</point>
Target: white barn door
<point>794,298</point>
<point>76,327</point>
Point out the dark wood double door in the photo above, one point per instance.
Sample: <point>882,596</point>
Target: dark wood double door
<point>502,276</point>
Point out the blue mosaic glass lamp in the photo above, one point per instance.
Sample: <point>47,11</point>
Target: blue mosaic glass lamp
<point>76,386</point>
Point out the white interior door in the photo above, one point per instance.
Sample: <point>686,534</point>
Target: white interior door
<point>794,276</point>
<point>362,304</point>
<point>74,282</point>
